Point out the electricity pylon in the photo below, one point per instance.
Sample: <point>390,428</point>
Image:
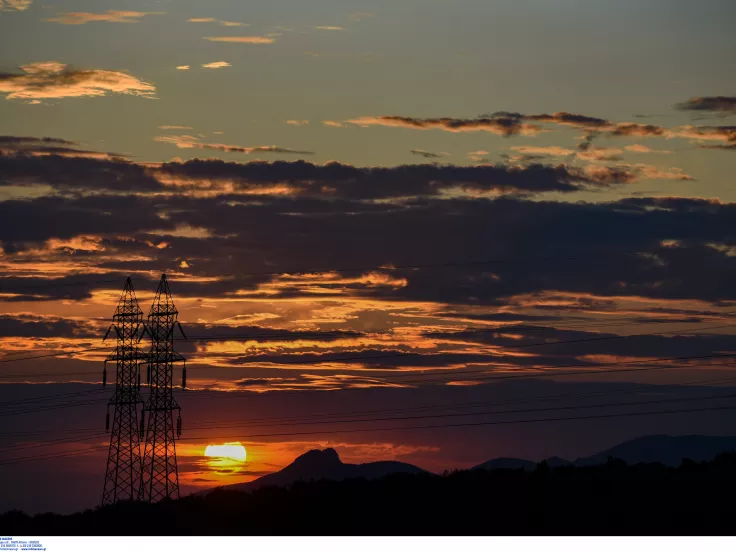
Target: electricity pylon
<point>160,478</point>
<point>123,473</point>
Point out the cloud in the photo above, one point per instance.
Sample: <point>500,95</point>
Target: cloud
<point>548,245</point>
<point>20,141</point>
<point>213,20</point>
<point>716,104</point>
<point>359,16</point>
<point>652,173</point>
<point>427,154</point>
<point>297,122</point>
<point>337,180</point>
<point>29,145</point>
<point>241,39</point>
<point>329,28</point>
<point>336,124</point>
<point>570,119</point>
<point>501,125</point>
<point>174,127</point>
<point>52,79</point>
<point>183,67</point>
<point>505,123</point>
<point>111,16</point>
<point>188,142</point>
<point>724,133</point>
<point>730,147</point>
<point>216,65</point>
<point>587,153</point>
<point>637,129</point>
<point>479,156</point>
<point>14,5</point>
<point>640,148</point>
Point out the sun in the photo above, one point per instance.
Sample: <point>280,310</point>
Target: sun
<point>230,451</point>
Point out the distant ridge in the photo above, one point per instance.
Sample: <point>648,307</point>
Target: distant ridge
<point>663,449</point>
<point>323,464</point>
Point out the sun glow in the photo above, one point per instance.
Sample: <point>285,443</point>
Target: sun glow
<point>230,451</point>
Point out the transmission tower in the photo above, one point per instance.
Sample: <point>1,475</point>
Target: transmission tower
<point>123,473</point>
<point>160,478</point>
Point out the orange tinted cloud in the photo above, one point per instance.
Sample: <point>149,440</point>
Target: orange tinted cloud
<point>502,126</point>
<point>188,142</point>
<point>15,5</point>
<point>590,154</point>
<point>216,65</point>
<point>213,20</point>
<point>641,148</point>
<point>241,39</point>
<point>52,79</point>
<point>110,16</point>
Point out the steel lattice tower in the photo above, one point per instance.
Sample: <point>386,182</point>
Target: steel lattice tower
<point>160,478</point>
<point>123,473</point>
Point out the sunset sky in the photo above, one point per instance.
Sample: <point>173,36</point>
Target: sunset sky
<point>390,213</point>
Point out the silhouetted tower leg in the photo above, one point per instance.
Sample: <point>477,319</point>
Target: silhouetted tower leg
<point>160,474</point>
<point>123,474</point>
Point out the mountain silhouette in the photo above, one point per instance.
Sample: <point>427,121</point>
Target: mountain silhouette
<point>662,449</point>
<point>318,464</point>
<point>506,464</point>
<point>665,449</point>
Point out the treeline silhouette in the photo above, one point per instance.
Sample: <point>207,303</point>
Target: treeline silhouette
<point>609,499</point>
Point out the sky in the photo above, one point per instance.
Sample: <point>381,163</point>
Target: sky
<point>373,216</point>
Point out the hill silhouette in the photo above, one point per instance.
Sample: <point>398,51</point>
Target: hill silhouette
<point>324,464</point>
<point>609,499</point>
<point>663,449</point>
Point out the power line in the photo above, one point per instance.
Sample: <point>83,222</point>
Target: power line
<point>80,452</point>
<point>238,423</point>
<point>445,406</point>
<point>490,377</point>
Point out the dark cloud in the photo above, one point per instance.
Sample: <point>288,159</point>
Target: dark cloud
<point>427,154</point>
<point>508,124</point>
<point>337,180</point>
<point>570,119</point>
<point>55,217</point>
<point>654,247</point>
<point>30,145</point>
<point>636,129</point>
<point>39,327</point>
<point>67,173</point>
<point>20,141</point>
<point>729,147</point>
<point>717,104</point>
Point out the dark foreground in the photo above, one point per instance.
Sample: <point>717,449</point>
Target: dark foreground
<point>612,499</point>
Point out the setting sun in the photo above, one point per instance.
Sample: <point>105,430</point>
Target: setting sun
<point>231,451</point>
